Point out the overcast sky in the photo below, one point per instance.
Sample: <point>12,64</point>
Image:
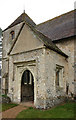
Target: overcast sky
<point>38,10</point>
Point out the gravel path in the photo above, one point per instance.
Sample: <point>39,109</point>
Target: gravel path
<point>13,112</point>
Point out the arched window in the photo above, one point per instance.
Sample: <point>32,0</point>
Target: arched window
<point>12,35</point>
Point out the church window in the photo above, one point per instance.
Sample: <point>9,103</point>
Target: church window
<point>67,88</point>
<point>12,35</point>
<point>59,76</point>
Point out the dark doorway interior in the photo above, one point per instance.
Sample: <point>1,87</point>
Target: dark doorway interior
<point>27,87</point>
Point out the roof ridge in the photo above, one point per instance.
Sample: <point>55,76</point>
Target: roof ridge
<point>30,18</point>
<point>23,17</point>
<point>55,17</point>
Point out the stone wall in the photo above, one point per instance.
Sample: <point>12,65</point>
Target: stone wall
<point>7,40</point>
<point>33,61</point>
<point>42,64</point>
<point>52,91</point>
<point>67,46</point>
<point>4,75</point>
<point>7,43</point>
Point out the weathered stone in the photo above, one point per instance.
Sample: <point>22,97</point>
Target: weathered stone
<point>29,53</point>
<point>5,99</point>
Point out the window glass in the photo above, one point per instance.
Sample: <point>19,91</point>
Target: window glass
<point>12,34</point>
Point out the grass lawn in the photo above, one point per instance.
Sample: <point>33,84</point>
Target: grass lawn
<point>61,111</point>
<point>6,106</point>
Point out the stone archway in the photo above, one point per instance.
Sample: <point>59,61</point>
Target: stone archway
<point>27,86</point>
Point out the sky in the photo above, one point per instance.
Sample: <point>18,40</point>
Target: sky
<point>38,10</point>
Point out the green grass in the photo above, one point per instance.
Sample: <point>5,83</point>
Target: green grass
<point>61,111</point>
<point>6,106</point>
<point>4,95</point>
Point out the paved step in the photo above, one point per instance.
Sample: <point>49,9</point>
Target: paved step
<point>28,104</point>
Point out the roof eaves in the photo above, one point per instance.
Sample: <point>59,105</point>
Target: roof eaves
<point>58,51</point>
<point>47,41</point>
<point>62,39</point>
<point>11,26</point>
<point>55,48</point>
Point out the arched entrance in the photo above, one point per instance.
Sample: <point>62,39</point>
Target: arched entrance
<point>27,87</point>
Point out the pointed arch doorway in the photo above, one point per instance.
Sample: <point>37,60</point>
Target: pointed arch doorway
<point>27,86</point>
